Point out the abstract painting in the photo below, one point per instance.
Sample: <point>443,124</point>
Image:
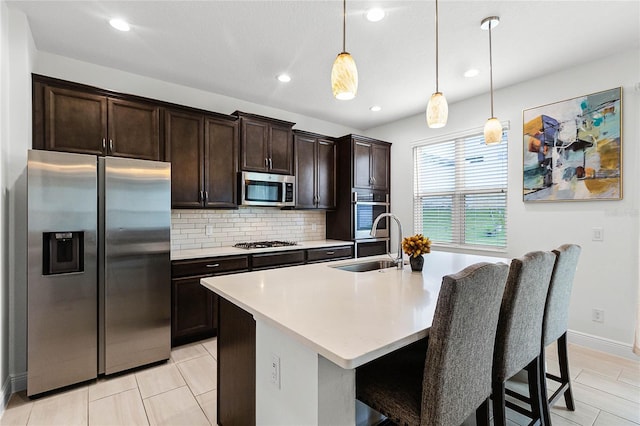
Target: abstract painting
<point>573,149</point>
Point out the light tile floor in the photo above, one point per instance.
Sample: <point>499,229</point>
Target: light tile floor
<point>183,392</point>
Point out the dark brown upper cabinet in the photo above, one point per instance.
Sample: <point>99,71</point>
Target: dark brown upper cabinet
<point>203,150</point>
<point>76,118</point>
<point>370,163</point>
<point>315,171</point>
<point>266,144</point>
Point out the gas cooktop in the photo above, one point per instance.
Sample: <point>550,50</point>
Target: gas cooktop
<point>265,244</point>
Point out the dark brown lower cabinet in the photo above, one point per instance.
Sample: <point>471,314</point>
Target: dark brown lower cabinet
<point>193,311</point>
<point>372,248</point>
<point>236,366</point>
<point>277,259</point>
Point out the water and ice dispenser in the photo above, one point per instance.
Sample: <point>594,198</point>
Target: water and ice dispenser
<point>63,252</point>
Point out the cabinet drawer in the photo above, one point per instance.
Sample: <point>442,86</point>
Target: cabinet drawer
<point>277,259</point>
<point>329,253</point>
<point>209,266</point>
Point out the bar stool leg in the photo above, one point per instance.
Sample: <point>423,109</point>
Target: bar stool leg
<point>499,404</point>
<point>564,371</point>
<point>482,414</point>
<point>546,409</point>
<point>535,394</point>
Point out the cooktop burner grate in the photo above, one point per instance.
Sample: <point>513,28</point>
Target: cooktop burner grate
<point>265,244</point>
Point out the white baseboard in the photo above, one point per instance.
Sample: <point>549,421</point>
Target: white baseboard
<point>602,344</point>
<point>18,382</point>
<point>5,394</point>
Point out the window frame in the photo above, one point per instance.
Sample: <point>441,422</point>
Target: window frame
<point>458,194</point>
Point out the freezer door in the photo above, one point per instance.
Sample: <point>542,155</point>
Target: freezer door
<point>136,277</point>
<point>62,343</point>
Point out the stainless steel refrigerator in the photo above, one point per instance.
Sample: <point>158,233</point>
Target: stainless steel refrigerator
<point>99,269</point>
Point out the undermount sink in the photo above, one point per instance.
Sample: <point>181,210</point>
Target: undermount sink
<point>366,266</point>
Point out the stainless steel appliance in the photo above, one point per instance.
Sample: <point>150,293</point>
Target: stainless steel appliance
<point>266,189</point>
<point>367,205</point>
<point>99,266</point>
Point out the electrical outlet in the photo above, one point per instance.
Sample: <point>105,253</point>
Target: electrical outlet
<point>275,370</point>
<point>209,230</point>
<point>598,234</point>
<point>597,315</point>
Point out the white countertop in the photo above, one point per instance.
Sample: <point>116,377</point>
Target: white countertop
<point>230,250</point>
<point>347,317</point>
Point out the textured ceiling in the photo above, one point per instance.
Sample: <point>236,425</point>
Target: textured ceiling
<point>236,48</point>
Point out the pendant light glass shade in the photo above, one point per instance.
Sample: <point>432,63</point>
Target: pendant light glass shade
<point>344,77</point>
<point>492,131</point>
<point>344,74</point>
<point>437,111</point>
<point>437,108</point>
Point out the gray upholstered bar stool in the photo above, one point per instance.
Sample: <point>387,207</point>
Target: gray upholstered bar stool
<point>519,333</point>
<point>554,328</point>
<point>447,381</point>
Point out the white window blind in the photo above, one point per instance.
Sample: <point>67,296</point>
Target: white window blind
<point>460,192</point>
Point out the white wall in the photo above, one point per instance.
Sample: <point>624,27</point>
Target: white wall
<point>607,275</point>
<point>15,111</point>
<point>4,110</point>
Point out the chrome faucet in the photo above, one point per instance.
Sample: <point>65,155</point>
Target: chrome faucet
<point>398,260</point>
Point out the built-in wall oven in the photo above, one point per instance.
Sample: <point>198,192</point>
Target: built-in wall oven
<point>367,205</point>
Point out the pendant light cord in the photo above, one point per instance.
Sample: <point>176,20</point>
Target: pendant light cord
<point>437,79</point>
<point>344,26</point>
<point>491,67</point>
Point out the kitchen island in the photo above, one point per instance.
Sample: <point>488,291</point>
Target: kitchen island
<point>314,324</point>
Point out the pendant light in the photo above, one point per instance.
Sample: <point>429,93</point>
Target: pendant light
<point>493,127</point>
<point>437,108</point>
<point>344,74</point>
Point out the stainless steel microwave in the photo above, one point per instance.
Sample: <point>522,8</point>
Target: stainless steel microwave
<point>266,189</point>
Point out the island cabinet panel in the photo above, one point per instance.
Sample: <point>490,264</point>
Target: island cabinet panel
<point>329,253</point>
<point>236,366</point>
<point>266,144</point>
<point>315,171</point>
<point>194,308</point>
<point>76,118</point>
<point>277,259</point>
<point>203,151</point>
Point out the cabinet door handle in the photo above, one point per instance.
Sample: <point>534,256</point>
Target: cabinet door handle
<point>270,163</point>
<point>111,146</point>
<point>331,253</point>
<point>200,196</point>
<point>266,162</point>
<point>206,196</point>
<point>104,144</point>
<point>213,265</point>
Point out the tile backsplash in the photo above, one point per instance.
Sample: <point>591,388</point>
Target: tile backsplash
<point>193,229</point>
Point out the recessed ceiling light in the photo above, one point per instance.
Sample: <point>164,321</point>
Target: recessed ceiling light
<point>375,108</point>
<point>119,24</point>
<point>284,78</point>
<point>471,72</point>
<point>375,14</point>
